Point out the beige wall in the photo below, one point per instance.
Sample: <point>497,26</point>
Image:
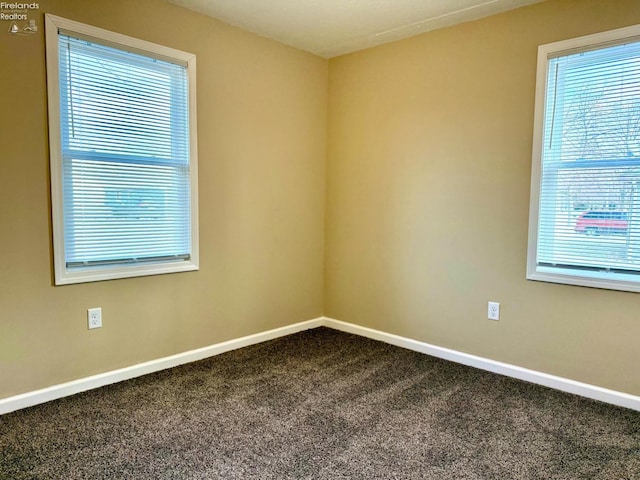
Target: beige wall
<point>428,176</point>
<point>262,138</point>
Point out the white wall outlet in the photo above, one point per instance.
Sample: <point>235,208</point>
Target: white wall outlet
<point>94,317</point>
<point>494,311</point>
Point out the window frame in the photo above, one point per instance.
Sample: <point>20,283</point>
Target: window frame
<point>54,26</point>
<point>587,278</point>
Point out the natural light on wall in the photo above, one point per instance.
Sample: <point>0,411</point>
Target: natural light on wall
<point>123,155</point>
<point>585,193</point>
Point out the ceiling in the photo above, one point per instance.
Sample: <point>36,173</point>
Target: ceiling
<point>333,27</point>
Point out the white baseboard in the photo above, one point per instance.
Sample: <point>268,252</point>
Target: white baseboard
<point>566,385</point>
<point>54,392</point>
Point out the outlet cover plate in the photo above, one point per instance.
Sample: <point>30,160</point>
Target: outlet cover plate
<point>94,317</point>
<point>493,312</point>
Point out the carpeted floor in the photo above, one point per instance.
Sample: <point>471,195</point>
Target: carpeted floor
<point>321,404</point>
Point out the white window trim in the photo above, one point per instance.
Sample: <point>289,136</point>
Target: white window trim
<point>606,280</point>
<point>54,25</point>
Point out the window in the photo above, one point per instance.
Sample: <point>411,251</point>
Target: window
<point>585,192</point>
<point>123,155</point>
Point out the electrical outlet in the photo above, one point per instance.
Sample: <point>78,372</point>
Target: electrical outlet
<point>94,317</point>
<point>494,311</point>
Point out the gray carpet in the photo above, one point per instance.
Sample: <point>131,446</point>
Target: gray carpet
<point>321,404</point>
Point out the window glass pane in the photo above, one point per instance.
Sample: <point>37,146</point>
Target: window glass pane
<point>120,103</point>
<point>125,156</point>
<point>127,212</point>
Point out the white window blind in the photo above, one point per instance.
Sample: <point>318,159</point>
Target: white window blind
<point>586,181</point>
<point>125,160</point>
